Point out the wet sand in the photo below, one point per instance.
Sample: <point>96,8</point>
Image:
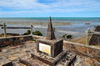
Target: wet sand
<point>35,23</point>
<point>40,26</point>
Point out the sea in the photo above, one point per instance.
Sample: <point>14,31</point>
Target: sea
<point>77,28</point>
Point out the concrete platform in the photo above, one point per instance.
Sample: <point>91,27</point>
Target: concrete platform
<point>49,60</point>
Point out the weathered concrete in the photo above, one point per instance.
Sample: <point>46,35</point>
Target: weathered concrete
<point>31,29</point>
<point>68,60</point>
<point>90,53</point>
<point>49,60</point>
<point>56,46</point>
<point>14,40</point>
<point>13,53</point>
<point>95,39</point>
<point>88,32</point>
<point>23,52</point>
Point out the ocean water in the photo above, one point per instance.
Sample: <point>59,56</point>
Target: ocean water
<point>77,28</point>
<point>55,19</point>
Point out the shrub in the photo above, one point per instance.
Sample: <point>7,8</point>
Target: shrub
<point>69,36</point>
<point>34,39</point>
<point>37,33</point>
<point>64,35</point>
<point>28,32</point>
<point>54,29</point>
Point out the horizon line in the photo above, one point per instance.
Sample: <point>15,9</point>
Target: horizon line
<point>48,17</point>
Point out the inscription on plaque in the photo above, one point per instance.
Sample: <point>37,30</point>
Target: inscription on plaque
<point>45,48</point>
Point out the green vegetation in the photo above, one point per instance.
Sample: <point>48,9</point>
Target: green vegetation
<point>34,33</point>
<point>65,35</point>
<point>34,39</point>
<point>37,33</point>
<point>69,37</point>
<point>95,45</point>
<point>28,32</point>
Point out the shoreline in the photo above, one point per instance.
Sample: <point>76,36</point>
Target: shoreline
<point>35,23</point>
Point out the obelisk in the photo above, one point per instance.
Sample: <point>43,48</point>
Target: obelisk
<point>50,45</point>
<point>50,31</point>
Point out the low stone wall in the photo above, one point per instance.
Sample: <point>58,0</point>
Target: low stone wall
<point>91,54</point>
<point>37,37</point>
<point>14,40</point>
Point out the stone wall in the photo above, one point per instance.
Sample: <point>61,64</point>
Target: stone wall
<point>37,37</point>
<point>90,54</point>
<point>14,40</point>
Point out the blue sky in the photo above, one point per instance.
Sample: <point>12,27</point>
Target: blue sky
<point>45,8</point>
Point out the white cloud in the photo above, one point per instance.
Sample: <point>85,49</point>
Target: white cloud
<point>22,4</point>
<point>34,4</point>
<point>56,6</point>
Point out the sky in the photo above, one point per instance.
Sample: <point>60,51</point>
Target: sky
<point>45,8</point>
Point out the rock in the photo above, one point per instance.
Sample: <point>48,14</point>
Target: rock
<point>12,58</point>
<point>88,61</point>
<point>96,63</point>
<point>4,50</point>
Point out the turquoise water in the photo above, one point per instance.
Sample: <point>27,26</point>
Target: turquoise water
<point>55,19</point>
<point>51,17</point>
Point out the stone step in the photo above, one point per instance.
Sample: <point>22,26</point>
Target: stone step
<point>17,63</point>
<point>28,62</point>
<point>68,60</point>
<point>47,59</point>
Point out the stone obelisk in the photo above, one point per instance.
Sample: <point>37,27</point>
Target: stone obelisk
<point>50,31</point>
<point>50,45</point>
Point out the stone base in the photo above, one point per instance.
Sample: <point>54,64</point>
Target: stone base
<point>49,60</point>
<point>56,46</point>
<point>68,60</point>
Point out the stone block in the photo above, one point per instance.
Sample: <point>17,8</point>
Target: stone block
<point>12,58</point>
<point>94,53</point>
<point>50,61</point>
<point>88,60</point>
<point>82,49</point>
<point>97,64</point>
<point>14,40</point>
<point>56,46</point>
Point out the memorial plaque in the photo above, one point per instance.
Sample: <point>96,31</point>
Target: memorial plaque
<point>45,48</point>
